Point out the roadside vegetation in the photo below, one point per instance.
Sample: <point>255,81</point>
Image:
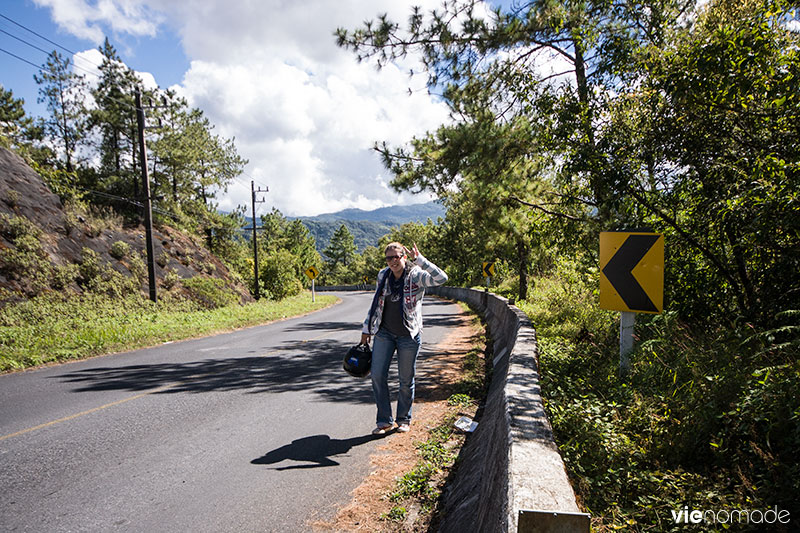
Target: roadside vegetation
<point>53,328</point>
<point>708,417</point>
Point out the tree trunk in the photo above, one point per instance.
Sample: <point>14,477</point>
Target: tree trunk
<point>591,160</point>
<point>523,254</point>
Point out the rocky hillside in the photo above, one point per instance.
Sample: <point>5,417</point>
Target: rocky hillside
<point>44,244</point>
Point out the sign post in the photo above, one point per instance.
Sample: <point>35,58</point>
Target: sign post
<point>312,274</point>
<point>488,271</point>
<point>631,281</point>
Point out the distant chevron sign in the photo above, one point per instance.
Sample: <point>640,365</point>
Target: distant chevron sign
<point>632,272</point>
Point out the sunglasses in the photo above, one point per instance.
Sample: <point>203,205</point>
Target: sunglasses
<point>390,257</point>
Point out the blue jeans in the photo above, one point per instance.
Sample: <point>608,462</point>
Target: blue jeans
<point>383,347</point>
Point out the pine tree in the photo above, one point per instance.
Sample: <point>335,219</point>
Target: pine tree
<point>65,93</point>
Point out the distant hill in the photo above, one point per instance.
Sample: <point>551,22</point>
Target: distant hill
<point>393,215</point>
<point>368,227</point>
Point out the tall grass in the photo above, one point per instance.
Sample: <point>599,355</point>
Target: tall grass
<point>706,417</point>
<point>51,328</point>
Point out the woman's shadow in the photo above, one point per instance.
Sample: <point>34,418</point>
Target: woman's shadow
<point>316,450</point>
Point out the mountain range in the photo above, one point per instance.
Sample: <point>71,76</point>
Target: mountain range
<point>394,215</point>
<point>368,227</point>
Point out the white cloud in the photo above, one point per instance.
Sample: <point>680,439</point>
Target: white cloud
<point>304,112</point>
<point>90,20</point>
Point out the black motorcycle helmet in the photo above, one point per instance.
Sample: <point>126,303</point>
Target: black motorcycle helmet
<point>358,360</point>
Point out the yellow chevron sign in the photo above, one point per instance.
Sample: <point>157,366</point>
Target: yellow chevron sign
<point>312,272</point>
<point>632,272</point>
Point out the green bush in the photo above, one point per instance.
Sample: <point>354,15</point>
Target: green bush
<point>171,279</point>
<point>162,259</point>
<point>63,276</point>
<point>277,275</point>
<point>89,267</point>
<point>137,267</point>
<point>13,227</point>
<point>120,249</point>
<point>26,262</point>
<point>209,293</point>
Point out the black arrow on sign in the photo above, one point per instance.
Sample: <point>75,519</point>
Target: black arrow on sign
<point>619,271</point>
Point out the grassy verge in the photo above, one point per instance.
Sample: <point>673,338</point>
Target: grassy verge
<point>51,328</point>
<point>705,421</point>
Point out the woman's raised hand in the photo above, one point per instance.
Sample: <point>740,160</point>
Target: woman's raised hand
<point>411,254</point>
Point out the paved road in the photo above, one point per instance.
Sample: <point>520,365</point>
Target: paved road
<point>256,430</point>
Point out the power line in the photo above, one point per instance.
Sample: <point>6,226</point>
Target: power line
<point>74,64</point>
<point>49,41</point>
<point>20,39</point>
<point>43,68</point>
<point>36,34</point>
<point>21,59</point>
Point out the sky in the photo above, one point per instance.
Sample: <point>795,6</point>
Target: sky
<point>267,73</point>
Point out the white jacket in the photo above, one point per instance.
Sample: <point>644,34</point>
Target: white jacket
<point>420,273</point>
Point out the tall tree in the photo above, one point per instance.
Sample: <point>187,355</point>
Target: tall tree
<point>65,93</point>
<point>342,248</point>
<point>114,117</point>
<point>14,123</point>
<point>496,61</point>
<point>195,162</point>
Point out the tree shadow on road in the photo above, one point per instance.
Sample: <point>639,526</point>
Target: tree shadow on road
<point>315,451</point>
<point>297,366</point>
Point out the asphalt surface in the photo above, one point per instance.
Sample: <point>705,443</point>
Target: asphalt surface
<point>255,430</point>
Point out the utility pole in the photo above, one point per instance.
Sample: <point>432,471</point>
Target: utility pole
<point>148,209</point>
<point>255,238</point>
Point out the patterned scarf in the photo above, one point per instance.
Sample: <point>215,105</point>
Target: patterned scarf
<point>396,286</point>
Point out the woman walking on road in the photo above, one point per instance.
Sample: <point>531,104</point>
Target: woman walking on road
<point>396,313</point>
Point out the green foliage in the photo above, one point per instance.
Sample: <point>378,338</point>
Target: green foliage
<point>396,514</point>
<point>119,249</point>
<point>278,275</point>
<point>171,279</point>
<point>209,293</point>
<point>13,227</point>
<point>26,261</point>
<point>416,484</point>
<point>16,129</point>
<point>286,250</point>
<point>725,189</point>
<point>342,248</point>
<point>706,419</point>
<point>460,400</point>
<point>58,327</point>
<point>684,128</point>
<point>64,92</point>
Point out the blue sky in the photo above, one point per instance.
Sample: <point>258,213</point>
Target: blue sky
<point>267,73</point>
<point>162,54</point>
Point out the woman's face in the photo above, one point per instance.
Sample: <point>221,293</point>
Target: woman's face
<point>396,260</point>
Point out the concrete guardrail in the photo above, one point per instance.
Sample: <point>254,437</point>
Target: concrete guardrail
<point>511,477</point>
